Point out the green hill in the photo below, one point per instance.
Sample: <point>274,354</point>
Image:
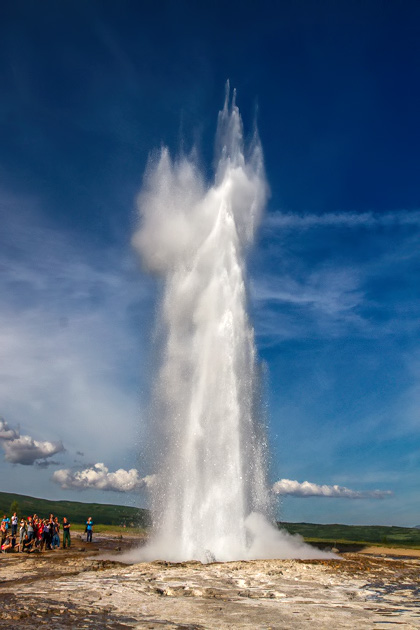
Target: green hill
<point>75,511</point>
<point>108,514</point>
<point>382,534</point>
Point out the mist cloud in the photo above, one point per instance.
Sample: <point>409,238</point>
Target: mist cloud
<point>308,489</point>
<point>99,478</point>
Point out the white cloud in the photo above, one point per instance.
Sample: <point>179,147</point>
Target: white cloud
<point>99,478</point>
<point>25,450</point>
<point>308,489</point>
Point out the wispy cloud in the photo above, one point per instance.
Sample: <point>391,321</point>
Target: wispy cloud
<point>46,463</point>
<point>328,290</point>
<point>325,302</point>
<point>308,489</point>
<point>342,219</point>
<point>99,478</point>
<point>340,280</point>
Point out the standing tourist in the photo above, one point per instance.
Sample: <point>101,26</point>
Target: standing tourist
<point>6,521</point>
<point>55,543</point>
<point>66,533</point>
<point>14,524</point>
<point>89,529</point>
<point>45,535</point>
<point>3,531</point>
<point>22,534</point>
<point>39,531</point>
<point>30,529</point>
<point>50,531</point>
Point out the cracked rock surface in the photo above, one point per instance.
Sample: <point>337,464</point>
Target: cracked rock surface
<point>88,587</point>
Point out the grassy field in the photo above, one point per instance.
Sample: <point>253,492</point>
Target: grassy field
<point>100,528</point>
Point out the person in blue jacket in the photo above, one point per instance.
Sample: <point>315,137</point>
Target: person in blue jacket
<point>89,529</point>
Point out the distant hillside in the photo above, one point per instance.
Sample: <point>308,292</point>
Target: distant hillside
<point>75,511</point>
<point>356,533</point>
<point>108,514</point>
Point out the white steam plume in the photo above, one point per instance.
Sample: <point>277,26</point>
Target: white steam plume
<point>211,498</point>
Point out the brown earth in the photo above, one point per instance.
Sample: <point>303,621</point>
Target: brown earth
<point>390,551</point>
<point>88,587</point>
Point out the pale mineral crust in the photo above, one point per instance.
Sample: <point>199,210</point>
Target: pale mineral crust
<point>88,587</point>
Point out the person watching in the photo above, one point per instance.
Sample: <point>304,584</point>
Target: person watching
<point>89,529</point>
<point>66,533</point>
<point>14,524</point>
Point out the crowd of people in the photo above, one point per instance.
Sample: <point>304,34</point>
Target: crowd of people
<point>37,533</point>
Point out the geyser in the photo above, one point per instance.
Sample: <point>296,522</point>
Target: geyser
<point>210,499</point>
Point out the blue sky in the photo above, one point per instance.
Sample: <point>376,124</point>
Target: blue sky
<point>88,91</point>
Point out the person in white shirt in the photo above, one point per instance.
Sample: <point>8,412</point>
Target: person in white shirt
<point>14,524</point>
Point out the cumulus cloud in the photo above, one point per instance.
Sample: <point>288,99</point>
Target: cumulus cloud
<point>308,489</point>
<point>99,478</point>
<point>6,432</point>
<point>25,450</point>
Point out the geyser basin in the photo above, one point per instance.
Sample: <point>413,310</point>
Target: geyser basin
<point>210,499</point>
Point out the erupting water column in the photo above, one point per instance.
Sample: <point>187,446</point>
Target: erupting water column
<point>210,497</point>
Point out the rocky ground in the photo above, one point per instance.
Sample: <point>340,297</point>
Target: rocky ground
<point>88,587</point>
